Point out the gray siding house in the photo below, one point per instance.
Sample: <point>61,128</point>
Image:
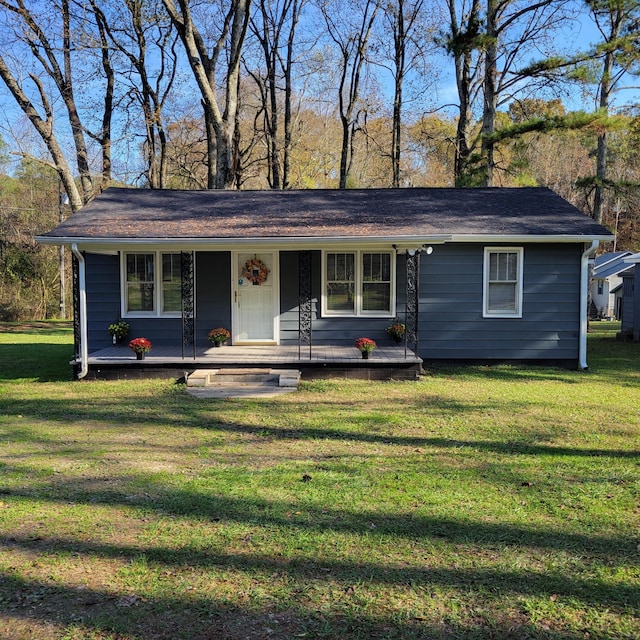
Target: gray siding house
<point>476,275</point>
<point>630,316</point>
<point>605,281</point>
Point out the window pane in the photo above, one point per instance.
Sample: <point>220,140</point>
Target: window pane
<point>376,267</point>
<point>386,267</point>
<point>376,296</point>
<point>370,267</point>
<point>511,267</point>
<point>340,296</point>
<point>502,297</point>
<point>140,297</point>
<point>503,267</point>
<point>171,298</point>
<point>171,282</point>
<point>343,267</point>
<point>170,267</point>
<point>331,266</point>
<point>140,267</point>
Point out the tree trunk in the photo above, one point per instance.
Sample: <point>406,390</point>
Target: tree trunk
<point>605,96</point>
<point>44,127</point>
<point>399,61</point>
<point>219,124</point>
<point>65,83</point>
<point>490,94</point>
<point>462,46</point>
<point>352,43</point>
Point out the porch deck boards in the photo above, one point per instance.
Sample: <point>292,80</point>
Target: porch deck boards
<point>267,355</point>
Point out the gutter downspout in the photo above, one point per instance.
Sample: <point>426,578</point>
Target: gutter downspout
<point>584,302</point>
<point>84,344</point>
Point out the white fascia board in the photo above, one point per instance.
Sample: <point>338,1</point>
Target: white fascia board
<point>106,245</point>
<point>401,242</point>
<point>522,239</point>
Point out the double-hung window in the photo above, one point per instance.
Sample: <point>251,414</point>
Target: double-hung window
<point>503,272</point>
<point>151,284</point>
<point>359,283</point>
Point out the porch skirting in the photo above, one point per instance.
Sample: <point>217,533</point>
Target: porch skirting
<point>325,361</point>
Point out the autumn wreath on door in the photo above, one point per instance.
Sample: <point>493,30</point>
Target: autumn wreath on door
<point>255,271</point>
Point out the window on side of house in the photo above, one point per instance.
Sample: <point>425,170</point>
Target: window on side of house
<point>152,284</point>
<point>358,283</point>
<point>503,282</point>
<point>600,287</point>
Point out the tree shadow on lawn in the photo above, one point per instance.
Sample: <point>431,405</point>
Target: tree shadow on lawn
<point>622,370</point>
<point>198,618</point>
<point>611,360</point>
<point>511,447</point>
<point>216,508</point>
<point>198,413</point>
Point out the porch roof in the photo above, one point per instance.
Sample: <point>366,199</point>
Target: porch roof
<point>125,215</point>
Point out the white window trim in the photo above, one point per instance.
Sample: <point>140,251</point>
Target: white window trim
<point>157,287</point>
<point>486,312</point>
<point>358,312</point>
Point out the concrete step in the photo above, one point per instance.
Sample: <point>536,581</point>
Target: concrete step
<point>244,377</point>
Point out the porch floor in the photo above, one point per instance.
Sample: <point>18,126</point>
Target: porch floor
<point>323,361</point>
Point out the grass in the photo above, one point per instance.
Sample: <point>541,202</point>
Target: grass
<point>476,503</point>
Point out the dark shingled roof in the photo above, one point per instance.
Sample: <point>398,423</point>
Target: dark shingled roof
<point>164,214</point>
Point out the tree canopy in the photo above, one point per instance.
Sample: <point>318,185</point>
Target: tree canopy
<point>324,94</point>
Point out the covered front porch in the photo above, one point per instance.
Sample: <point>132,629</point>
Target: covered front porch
<point>318,361</point>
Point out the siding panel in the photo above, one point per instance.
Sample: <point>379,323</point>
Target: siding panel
<point>213,293</point>
<point>327,330</point>
<point>103,297</point>
<point>213,301</point>
<point>451,322</point>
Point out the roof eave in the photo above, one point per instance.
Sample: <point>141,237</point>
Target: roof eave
<point>313,241</point>
<point>536,238</point>
<point>297,241</point>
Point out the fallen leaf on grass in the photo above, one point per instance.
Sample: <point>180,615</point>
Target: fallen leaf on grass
<point>129,601</point>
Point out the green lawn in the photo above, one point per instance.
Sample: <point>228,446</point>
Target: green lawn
<point>475,503</point>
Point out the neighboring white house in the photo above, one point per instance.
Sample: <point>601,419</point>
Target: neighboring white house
<point>605,279</point>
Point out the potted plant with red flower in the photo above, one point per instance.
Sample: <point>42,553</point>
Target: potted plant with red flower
<point>396,331</point>
<point>366,346</point>
<point>140,346</point>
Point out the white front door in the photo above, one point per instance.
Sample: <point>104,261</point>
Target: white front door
<point>255,293</point>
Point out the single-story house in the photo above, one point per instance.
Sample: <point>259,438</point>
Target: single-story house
<point>476,275</point>
<point>605,280</point>
<point>627,303</point>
